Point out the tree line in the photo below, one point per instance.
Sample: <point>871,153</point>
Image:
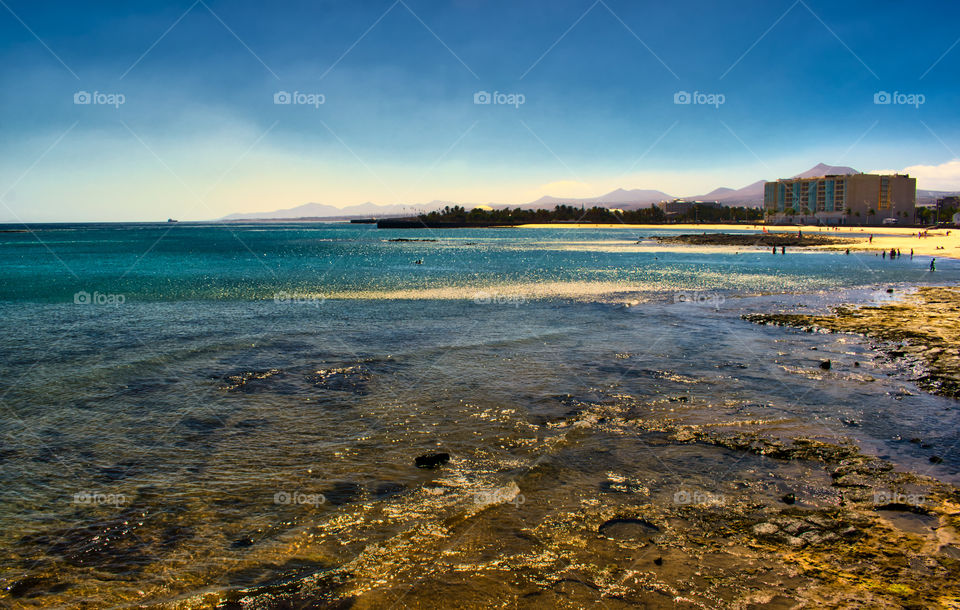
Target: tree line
<point>596,214</point>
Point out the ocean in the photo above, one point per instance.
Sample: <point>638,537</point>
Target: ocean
<point>199,413</point>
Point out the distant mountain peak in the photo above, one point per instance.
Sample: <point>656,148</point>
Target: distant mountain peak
<point>749,195</point>
<point>822,169</point>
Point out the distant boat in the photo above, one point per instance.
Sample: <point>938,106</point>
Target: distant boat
<point>172,220</point>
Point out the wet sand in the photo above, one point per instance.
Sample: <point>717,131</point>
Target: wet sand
<point>938,243</point>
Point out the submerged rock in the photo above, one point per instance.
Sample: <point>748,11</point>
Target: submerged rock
<point>343,492</point>
<point>240,381</point>
<point>351,379</point>
<point>432,460</point>
<point>628,528</point>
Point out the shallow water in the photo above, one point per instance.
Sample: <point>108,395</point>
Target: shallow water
<point>242,406</point>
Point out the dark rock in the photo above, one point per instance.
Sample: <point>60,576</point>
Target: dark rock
<point>825,365</point>
<point>936,459</point>
<point>856,364</point>
<point>343,492</point>
<point>789,499</point>
<point>658,561</point>
<point>242,543</point>
<point>385,490</point>
<point>19,588</point>
<point>432,460</point>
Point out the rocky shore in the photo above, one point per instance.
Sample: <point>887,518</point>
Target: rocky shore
<point>753,239</point>
<point>924,325</point>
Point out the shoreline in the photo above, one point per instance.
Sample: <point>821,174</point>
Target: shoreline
<point>920,325</point>
<point>940,243</point>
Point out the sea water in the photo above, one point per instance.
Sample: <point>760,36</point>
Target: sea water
<point>197,408</point>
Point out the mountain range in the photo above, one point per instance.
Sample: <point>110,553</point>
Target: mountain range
<point>750,195</point>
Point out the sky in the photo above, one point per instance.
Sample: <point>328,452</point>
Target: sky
<point>140,111</point>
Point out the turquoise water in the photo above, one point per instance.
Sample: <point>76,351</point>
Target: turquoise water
<point>171,263</point>
<point>192,409</point>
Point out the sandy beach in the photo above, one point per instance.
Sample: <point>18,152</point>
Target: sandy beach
<point>938,242</point>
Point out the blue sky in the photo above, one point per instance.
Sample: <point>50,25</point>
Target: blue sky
<point>197,133</point>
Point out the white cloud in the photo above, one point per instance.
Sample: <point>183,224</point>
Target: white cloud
<point>943,177</point>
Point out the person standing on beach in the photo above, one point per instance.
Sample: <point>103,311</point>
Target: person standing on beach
<point>933,264</point>
<point>774,250</point>
<point>783,249</point>
<point>871,238</point>
<point>911,253</point>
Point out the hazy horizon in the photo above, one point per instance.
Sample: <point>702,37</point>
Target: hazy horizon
<point>196,110</point>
